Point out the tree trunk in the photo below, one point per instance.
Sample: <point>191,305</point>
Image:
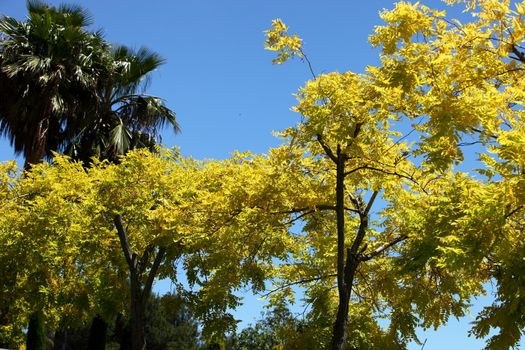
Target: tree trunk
<point>97,334</point>
<point>60,340</point>
<point>339,329</point>
<point>36,337</point>
<point>38,145</point>
<point>140,291</point>
<point>137,314</point>
<point>347,258</point>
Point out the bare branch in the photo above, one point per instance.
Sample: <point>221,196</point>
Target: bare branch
<point>519,55</point>
<point>299,217</point>
<point>357,129</point>
<point>143,262</point>
<point>361,232</point>
<point>309,63</point>
<point>483,132</point>
<point>463,144</point>
<point>300,210</point>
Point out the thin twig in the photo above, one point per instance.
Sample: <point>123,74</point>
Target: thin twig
<point>294,283</point>
<point>513,212</point>
<point>309,63</point>
<point>384,247</point>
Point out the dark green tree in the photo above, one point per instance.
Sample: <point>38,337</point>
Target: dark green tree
<point>64,88</point>
<point>277,327</point>
<point>50,66</point>
<point>170,324</point>
<point>126,117</point>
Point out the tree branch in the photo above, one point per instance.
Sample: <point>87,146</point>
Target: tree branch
<point>483,132</point>
<point>145,258</point>
<point>309,63</point>
<point>327,149</point>
<point>384,247</point>
<point>512,212</point>
<point>300,210</point>
<point>124,243</point>
<point>305,280</point>
<point>361,232</point>
<point>357,129</point>
<point>299,217</point>
<point>371,202</point>
<point>363,167</point>
<point>153,272</point>
<point>519,55</point>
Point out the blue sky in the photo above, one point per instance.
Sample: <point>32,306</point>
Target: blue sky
<point>222,85</point>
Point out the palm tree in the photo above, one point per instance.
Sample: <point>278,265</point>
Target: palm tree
<point>124,117</point>
<point>49,65</point>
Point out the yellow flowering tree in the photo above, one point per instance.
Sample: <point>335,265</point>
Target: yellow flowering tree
<point>83,242</point>
<point>358,160</point>
<point>432,244</point>
<point>465,87</point>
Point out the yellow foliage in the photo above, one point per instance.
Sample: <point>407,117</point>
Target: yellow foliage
<point>280,41</point>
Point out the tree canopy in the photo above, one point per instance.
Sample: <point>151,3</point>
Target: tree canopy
<point>454,85</point>
<point>362,205</point>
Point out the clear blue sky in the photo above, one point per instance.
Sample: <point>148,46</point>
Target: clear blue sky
<point>222,85</point>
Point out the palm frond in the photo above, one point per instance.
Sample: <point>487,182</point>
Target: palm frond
<point>120,138</point>
<point>146,113</point>
<point>77,15</point>
<point>134,68</point>
<point>36,7</point>
<point>11,27</point>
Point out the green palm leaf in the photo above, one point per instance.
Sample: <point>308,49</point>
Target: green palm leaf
<point>120,138</point>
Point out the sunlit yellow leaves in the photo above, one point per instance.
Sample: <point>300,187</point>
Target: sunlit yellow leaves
<point>269,221</point>
<point>278,40</point>
<point>469,230</point>
<point>512,146</point>
<point>493,10</point>
<point>225,219</point>
<point>404,21</point>
<point>343,109</point>
<point>458,78</point>
<point>469,3</point>
<point>349,116</point>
